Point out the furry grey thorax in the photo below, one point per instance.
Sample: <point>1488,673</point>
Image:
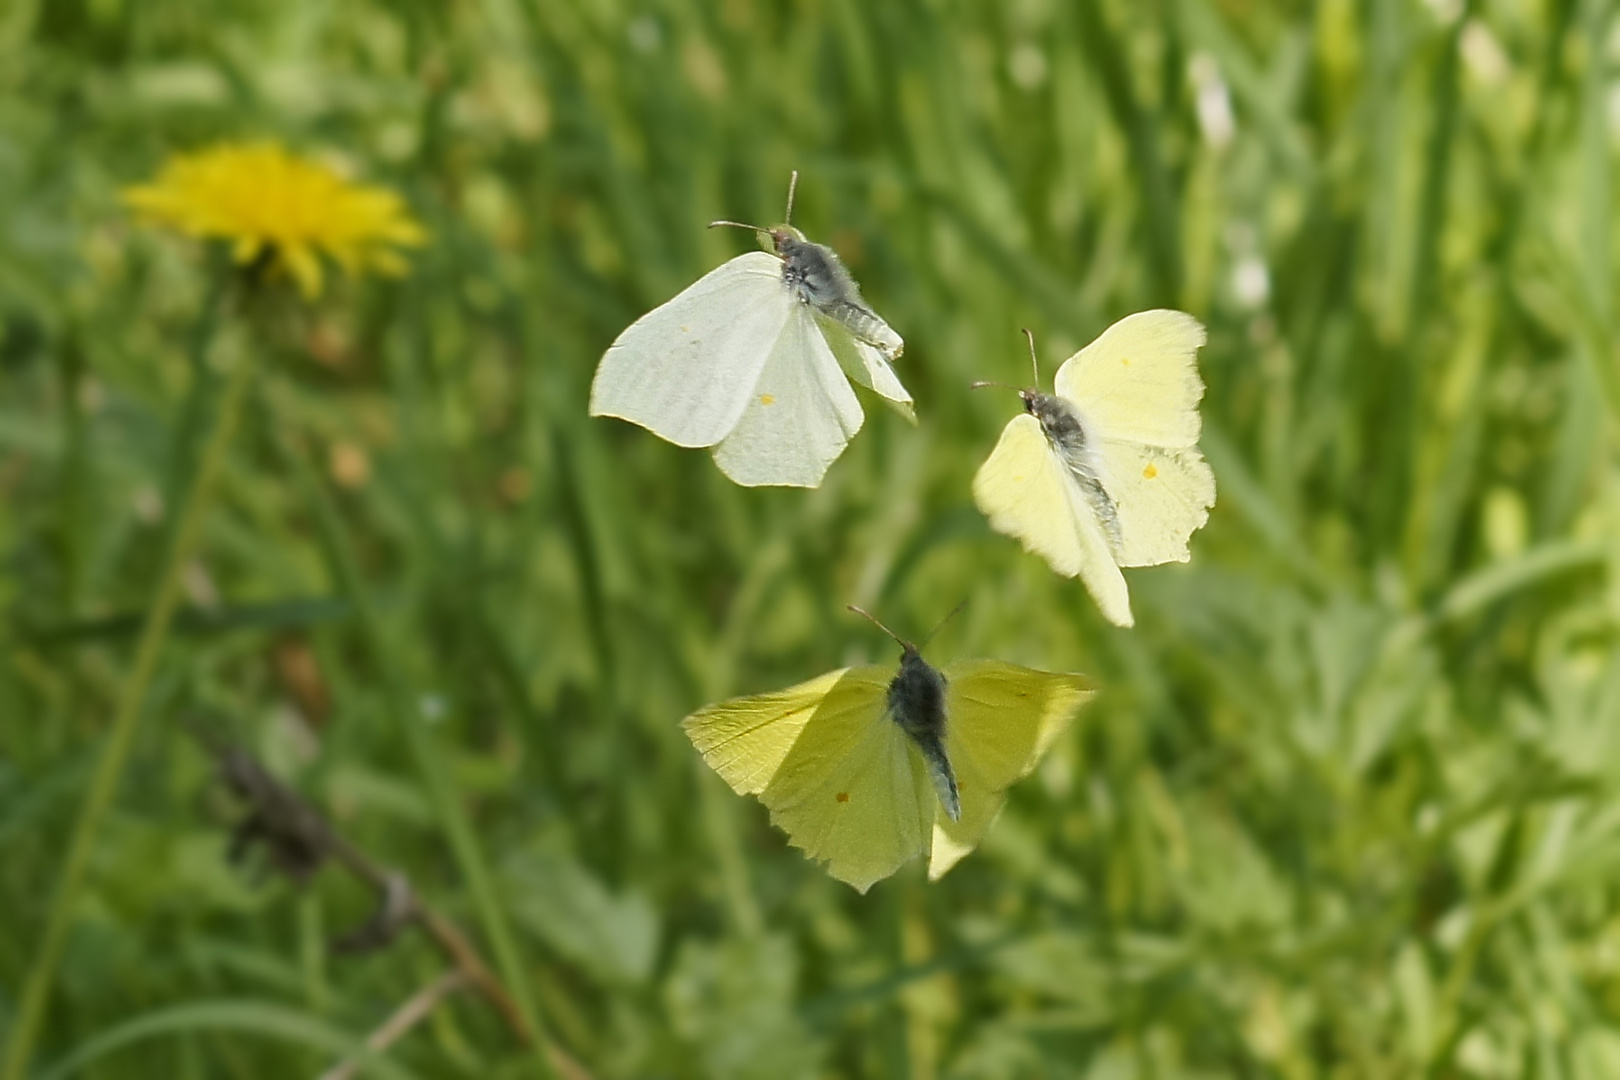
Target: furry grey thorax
<point>817,277</point>
<point>917,703</point>
<point>1068,437</point>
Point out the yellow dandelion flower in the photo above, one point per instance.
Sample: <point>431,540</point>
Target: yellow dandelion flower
<point>264,201</point>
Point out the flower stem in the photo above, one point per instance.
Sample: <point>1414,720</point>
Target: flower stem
<point>110,766</point>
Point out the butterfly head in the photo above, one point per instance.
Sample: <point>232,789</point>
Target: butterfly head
<point>1043,407</point>
<point>786,240</point>
<point>917,691</point>
<point>1036,403</point>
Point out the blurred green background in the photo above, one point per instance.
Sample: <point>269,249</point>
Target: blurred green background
<point>1347,805</point>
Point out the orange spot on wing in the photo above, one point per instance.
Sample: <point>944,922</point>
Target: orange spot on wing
<point>1125,360</point>
<point>1151,471</point>
<point>767,399</point>
<point>842,796</point>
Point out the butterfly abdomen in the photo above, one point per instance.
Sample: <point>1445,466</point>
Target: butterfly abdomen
<point>940,774</point>
<point>917,703</point>
<point>867,326</point>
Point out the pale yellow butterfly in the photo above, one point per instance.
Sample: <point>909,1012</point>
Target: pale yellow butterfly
<point>865,768</point>
<point>753,359</point>
<point>1106,472</point>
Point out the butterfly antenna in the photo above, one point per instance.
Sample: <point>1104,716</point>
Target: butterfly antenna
<point>982,383</point>
<point>738,225</point>
<point>955,611</point>
<point>875,622</point>
<point>1034,364</point>
<point>793,185</point>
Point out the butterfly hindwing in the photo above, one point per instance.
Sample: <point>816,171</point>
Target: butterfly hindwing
<point>801,415</point>
<point>1161,497</point>
<point>1001,719</point>
<point>868,366</point>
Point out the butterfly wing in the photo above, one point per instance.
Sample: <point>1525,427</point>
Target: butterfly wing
<point>1161,497</point>
<point>1000,720</point>
<point>1137,390</point>
<point>1139,380</point>
<point>853,791</point>
<point>867,365</point>
<point>746,738</point>
<point>801,415</point>
<point>686,370</point>
<point>1025,491</point>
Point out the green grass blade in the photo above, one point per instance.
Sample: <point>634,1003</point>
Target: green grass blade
<point>262,1019</point>
<point>121,735</point>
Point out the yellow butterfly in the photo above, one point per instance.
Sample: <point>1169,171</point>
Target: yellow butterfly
<point>865,768</point>
<point>1105,472</point>
<point>752,360</point>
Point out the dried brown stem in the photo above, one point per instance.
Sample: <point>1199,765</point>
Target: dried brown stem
<point>407,1016</point>
<point>299,838</point>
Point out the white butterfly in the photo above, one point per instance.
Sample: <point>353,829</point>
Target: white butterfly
<point>752,359</point>
<point>1106,472</point>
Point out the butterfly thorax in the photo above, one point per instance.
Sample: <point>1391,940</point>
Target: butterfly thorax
<point>917,697</point>
<point>816,277</point>
<point>1067,434</point>
<point>1058,420</point>
<point>917,703</point>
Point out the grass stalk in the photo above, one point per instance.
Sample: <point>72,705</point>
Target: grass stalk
<point>115,754</point>
<point>427,757</point>
<point>1141,128</point>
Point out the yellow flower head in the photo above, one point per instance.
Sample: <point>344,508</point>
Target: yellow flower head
<point>264,200</point>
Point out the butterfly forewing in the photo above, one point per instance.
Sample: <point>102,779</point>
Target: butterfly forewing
<point>687,370</point>
<point>1026,491</point>
<point>745,739</point>
<point>852,791</point>
<point>1139,380</point>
